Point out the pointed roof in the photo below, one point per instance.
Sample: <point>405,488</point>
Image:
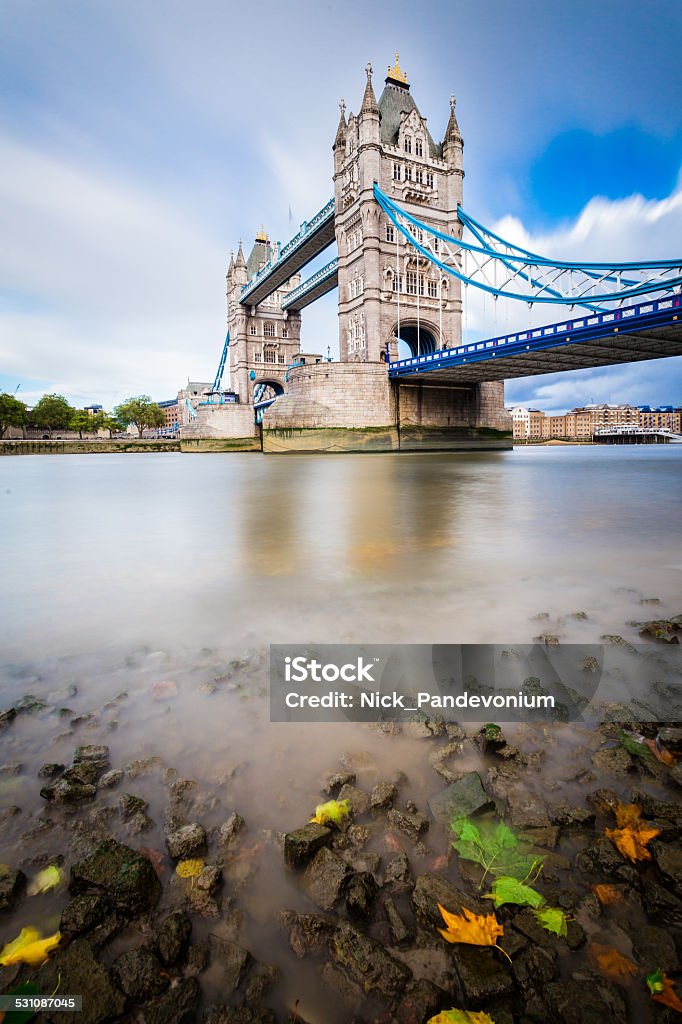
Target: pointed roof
<point>240,261</point>
<point>396,100</point>
<point>452,133</point>
<point>369,100</point>
<point>259,255</point>
<point>230,268</point>
<point>341,130</point>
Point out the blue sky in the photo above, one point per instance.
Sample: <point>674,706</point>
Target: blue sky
<point>140,140</point>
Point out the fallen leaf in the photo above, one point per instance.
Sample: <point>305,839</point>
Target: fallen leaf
<point>461,1017</point>
<point>509,890</point>
<point>157,858</point>
<point>608,895</point>
<point>661,753</point>
<point>49,878</point>
<point>21,1016</point>
<point>495,847</point>
<point>29,948</point>
<point>334,812</point>
<point>610,962</point>
<point>190,868</point>
<point>553,920</point>
<point>474,929</point>
<point>663,990</point>
<point>632,835</point>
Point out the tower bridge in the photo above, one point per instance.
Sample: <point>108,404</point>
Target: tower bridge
<point>407,254</point>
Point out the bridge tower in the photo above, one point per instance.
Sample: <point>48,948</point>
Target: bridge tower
<point>387,291</point>
<point>264,339</point>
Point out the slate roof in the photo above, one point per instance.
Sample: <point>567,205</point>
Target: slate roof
<point>394,100</point>
<point>259,254</point>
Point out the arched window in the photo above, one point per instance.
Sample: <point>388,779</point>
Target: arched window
<point>269,329</point>
<point>269,353</point>
<point>408,144</point>
<point>419,148</point>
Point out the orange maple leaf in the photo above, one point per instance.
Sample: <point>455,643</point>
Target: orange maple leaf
<point>661,753</point>
<point>474,929</point>
<point>632,835</point>
<point>608,895</point>
<point>668,997</point>
<point>610,962</point>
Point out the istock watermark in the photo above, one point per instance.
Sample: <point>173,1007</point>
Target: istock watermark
<point>471,682</point>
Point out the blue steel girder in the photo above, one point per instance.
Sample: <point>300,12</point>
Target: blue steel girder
<point>314,288</point>
<point>649,330</point>
<point>314,237</point>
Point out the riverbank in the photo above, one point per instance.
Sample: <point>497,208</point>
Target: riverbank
<point>87,447</point>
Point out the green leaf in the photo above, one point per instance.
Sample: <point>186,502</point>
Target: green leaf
<point>21,1016</point>
<point>553,920</point>
<point>634,747</point>
<point>655,981</point>
<point>495,847</point>
<point>505,838</point>
<point>509,890</point>
<point>466,831</point>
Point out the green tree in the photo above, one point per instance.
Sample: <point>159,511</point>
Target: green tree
<point>12,412</point>
<point>110,423</point>
<point>52,412</point>
<point>141,411</point>
<point>80,421</point>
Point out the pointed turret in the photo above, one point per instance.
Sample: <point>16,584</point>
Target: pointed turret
<point>241,262</point>
<point>369,100</point>
<point>230,268</point>
<point>240,274</point>
<point>340,139</point>
<point>452,133</point>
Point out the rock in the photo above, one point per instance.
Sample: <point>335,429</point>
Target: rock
<point>359,800</point>
<point>426,728</point>
<point>186,841</point>
<point>261,979</point>
<point>325,878</point>
<point>50,770</point>
<point>440,760</point>
<point>65,792</point>
<point>413,825</point>
<point>398,874</point>
<point>526,922</point>
<point>676,774</point>
<point>535,966</point>
<point>383,795</point>
<point>526,810</point>
<point>30,705</point>
<point>75,970</point>
<point>602,859</point>
<point>661,905</point>
<point>337,780</point>
<point>232,960</point>
<point>361,890</point>
<point>614,760</point>
<point>301,845</point>
<point>586,1000</point>
<point>241,1015</point>
<point>198,959</point>
<point>358,761</point>
<point>604,801</point>
<point>671,738</point>
<point>490,738</point>
<point>571,817</point>
<point>231,828</point>
<point>367,963</point>
<point>308,933</point>
<point>652,945</point>
<point>131,805</point>
<point>548,639</point>
<point>173,937</point>
<point>400,934</point>
<point>660,629</point>
<point>669,862</point>
<point>178,1005</point>
<point>112,778</point>
<point>84,773</point>
<point>12,886</point>
<point>139,974</point>
<point>11,770</point>
<point>421,999</point>
<point>431,889</point>
<point>84,913</point>
<point>123,874</point>
<point>463,798</point>
<point>6,717</point>
<point>481,974</point>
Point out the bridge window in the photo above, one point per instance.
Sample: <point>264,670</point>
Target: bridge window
<point>408,173</point>
<point>269,329</point>
<point>429,179</point>
<point>418,176</point>
<point>253,330</point>
<point>433,289</point>
<point>285,332</point>
<point>396,172</point>
<point>408,144</point>
<point>257,357</point>
<point>397,283</point>
<point>419,147</point>
<point>411,282</point>
<point>390,233</point>
<point>280,358</point>
<point>269,354</point>
<point>354,239</point>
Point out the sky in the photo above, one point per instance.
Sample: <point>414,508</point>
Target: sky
<point>140,140</point>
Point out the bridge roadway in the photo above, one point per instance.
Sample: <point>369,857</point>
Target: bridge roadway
<point>314,237</point>
<point>648,330</point>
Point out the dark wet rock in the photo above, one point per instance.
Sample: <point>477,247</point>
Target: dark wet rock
<point>662,906</point>
<point>526,810</point>
<point>173,937</point>
<point>490,738</point>
<point>431,889</point>
<point>186,841</point>
<point>358,835</point>
<point>198,959</point>
<point>669,862</point>
<point>11,770</point>
<point>413,825</point>
<point>604,801</point>
<point>571,817</point>
<point>337,780</point>
<point>586,1000</point>
<point>84,773</point>
<point>433,963</point>
<point>75,970</point>
<point>240,1015</point>
<point>676,774</point>
<point>325,878</point>
<point>123,874</point>
<point>138,973</point>
<point>6,717</point>
<point>547,838</point>
<point>361,890</point>
<point>362,861</point>
<point>654,808</point>
<point>202,904</point>
<point>367,963</point>
<point>653,945</point>
<point>111,778</point>
<point>526,922</point>
<point>426,728</point>
<point>500,778</point>
<point>444,760</point>
<point>588,664</point>
<point>143,766</point>
<point>210,878</point>
<point>30,705</point>
<point>66,792</point>
<point>421,1000</point>
<point>231,828</point>
<point>232,960</point>
<point>534,966</point>
<point>548,639</point>
<point>131,805</point>
<point>400,933</point>
<point>308,933</point>
<point>671,738</point>
<point>463,798</point>
<point>50,770</point>
<point>481,974</point>
<point>93,753</point>
<point>261,979</point>
<point>301,845</point>
<point>12,886</point>
<point>359,800</point>
<point>662,630</point>
<point>383,795</point>
<point>178,1005</point>
<point>398,874</point>
<point>84,913</point>
<point>601,858</point>
<point>617,641</point>
<point>614,760</point>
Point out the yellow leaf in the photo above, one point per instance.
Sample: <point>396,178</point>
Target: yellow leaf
<point>461,1017</point>
<point>608,895</point>
<point>474,929</point>
<point>610,962</point>
<point>334,811</point>
<point>48,878</point>
<point>29,948</point>
<point>632,835</point>
<point>628,815</point>
<point>190,868</point>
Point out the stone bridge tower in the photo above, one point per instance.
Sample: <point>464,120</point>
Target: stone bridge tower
<point>382,280</point>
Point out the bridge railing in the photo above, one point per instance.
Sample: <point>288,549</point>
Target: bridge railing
<point>307,286</point>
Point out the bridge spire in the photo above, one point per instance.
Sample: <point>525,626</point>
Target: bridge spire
<point>452,133</point>
<point>369,100</point>
<point>340,139</point>
<point>240,261</point>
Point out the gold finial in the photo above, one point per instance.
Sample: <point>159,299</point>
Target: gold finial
<point>262,236</point>
<point>396,73</point>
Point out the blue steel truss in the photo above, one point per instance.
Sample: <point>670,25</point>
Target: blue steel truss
<point>221,366</point>
<point>321,277</point>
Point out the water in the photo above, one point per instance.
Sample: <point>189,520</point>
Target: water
<point>122,572</point>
